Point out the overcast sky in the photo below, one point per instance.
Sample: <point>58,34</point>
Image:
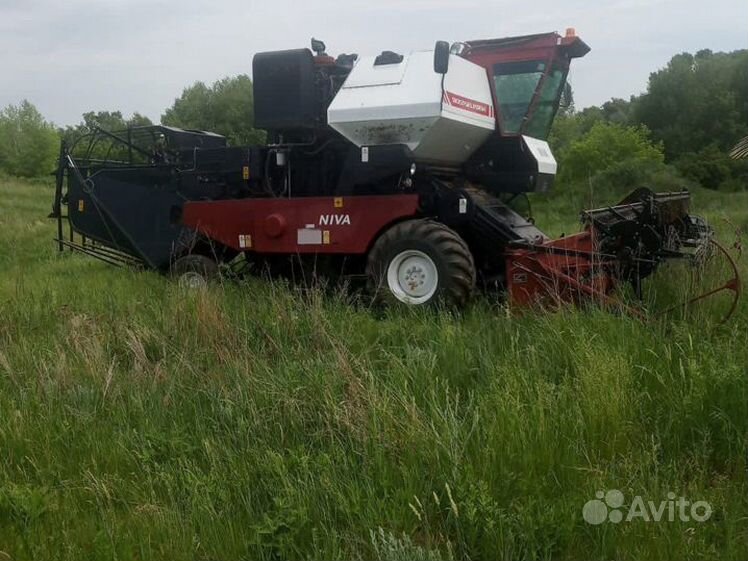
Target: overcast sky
<point>71,56</point>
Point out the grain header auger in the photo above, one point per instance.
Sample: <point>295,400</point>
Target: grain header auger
<point>401,169</point>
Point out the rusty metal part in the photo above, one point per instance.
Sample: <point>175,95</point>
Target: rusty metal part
<point>733,285</point>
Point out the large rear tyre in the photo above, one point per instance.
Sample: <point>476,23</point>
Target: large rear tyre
<point>195,271</point>
<point>421,262</point>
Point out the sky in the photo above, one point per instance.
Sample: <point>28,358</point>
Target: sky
<point>72,56</point>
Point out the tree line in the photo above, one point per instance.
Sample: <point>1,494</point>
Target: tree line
<point>681,128</point>
<point>29,144</point>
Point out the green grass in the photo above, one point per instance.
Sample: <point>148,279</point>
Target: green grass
<point>140,421</point>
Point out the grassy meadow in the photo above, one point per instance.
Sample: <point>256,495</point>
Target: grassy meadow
<point>252,421</point>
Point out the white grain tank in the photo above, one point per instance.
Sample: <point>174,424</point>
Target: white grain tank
<point>403,102</point>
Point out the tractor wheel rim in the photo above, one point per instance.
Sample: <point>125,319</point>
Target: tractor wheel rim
<point>412,277</point>
<point>192,280</point>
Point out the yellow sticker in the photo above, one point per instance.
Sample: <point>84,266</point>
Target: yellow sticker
<point>81,205</point>
<point>338,202</point>
<point>245,173</point>
<point>326,237</point>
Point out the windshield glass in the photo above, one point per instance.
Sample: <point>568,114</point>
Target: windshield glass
<point>516,83</point>
<point>541,120</point>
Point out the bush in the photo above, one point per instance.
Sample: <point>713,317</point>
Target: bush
<point>714,169</point>
<point>605,165</point>
<point>604,147</point>
<point>28,143</point>
<point>625,176</point>
<point>604,188</point>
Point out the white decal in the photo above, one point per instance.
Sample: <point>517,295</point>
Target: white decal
<point>334,220</point>
<point>304,236</point>
<point>468,104</point>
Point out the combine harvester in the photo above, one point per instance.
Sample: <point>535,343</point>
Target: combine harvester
<point>400,169</point>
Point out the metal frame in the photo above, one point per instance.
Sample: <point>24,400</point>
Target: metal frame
<point>67,163</point>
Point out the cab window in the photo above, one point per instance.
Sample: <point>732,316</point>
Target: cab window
<point>515,84</point>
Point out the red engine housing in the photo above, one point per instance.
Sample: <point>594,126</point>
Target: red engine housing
<point>302,225</point>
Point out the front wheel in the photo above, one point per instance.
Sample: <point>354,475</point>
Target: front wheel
<point>421,262</point>
<point>195,271</point>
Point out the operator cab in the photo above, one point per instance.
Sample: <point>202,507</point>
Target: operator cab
<point>527,76</point>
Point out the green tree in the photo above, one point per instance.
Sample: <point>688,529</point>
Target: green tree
<point>697,101</point>
<point>618,111</point>
<point>571,126</point>
<point>226,107</point>
<point>28,143</point>
<point>698,107</point>
<point>104,148</point>
<point>713,168</point>
<point>605,146</point>
<point>107,120</point>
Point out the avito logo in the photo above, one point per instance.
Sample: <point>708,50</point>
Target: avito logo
<point>608,506</point>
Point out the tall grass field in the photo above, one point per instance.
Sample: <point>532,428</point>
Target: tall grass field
<point>253,420</point>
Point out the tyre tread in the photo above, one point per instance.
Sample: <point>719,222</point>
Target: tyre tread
<point>452,249</point>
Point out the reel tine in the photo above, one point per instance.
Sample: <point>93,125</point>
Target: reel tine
<point>732,284</point>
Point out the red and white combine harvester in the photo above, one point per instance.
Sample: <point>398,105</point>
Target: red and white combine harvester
<point>399,168</point>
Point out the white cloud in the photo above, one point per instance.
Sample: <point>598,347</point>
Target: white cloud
<point>137,55</point>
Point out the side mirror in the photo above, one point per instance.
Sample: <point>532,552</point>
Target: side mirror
<point>441,57</point>
<point>318,46</point>
<point>567,96</point>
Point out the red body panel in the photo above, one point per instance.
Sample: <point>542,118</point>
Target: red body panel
<point>299,225</point>
<point>544,46</point>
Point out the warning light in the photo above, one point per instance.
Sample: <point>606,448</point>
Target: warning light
<point>571,32</point>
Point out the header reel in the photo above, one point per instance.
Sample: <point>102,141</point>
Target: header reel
<point>647,236</point>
